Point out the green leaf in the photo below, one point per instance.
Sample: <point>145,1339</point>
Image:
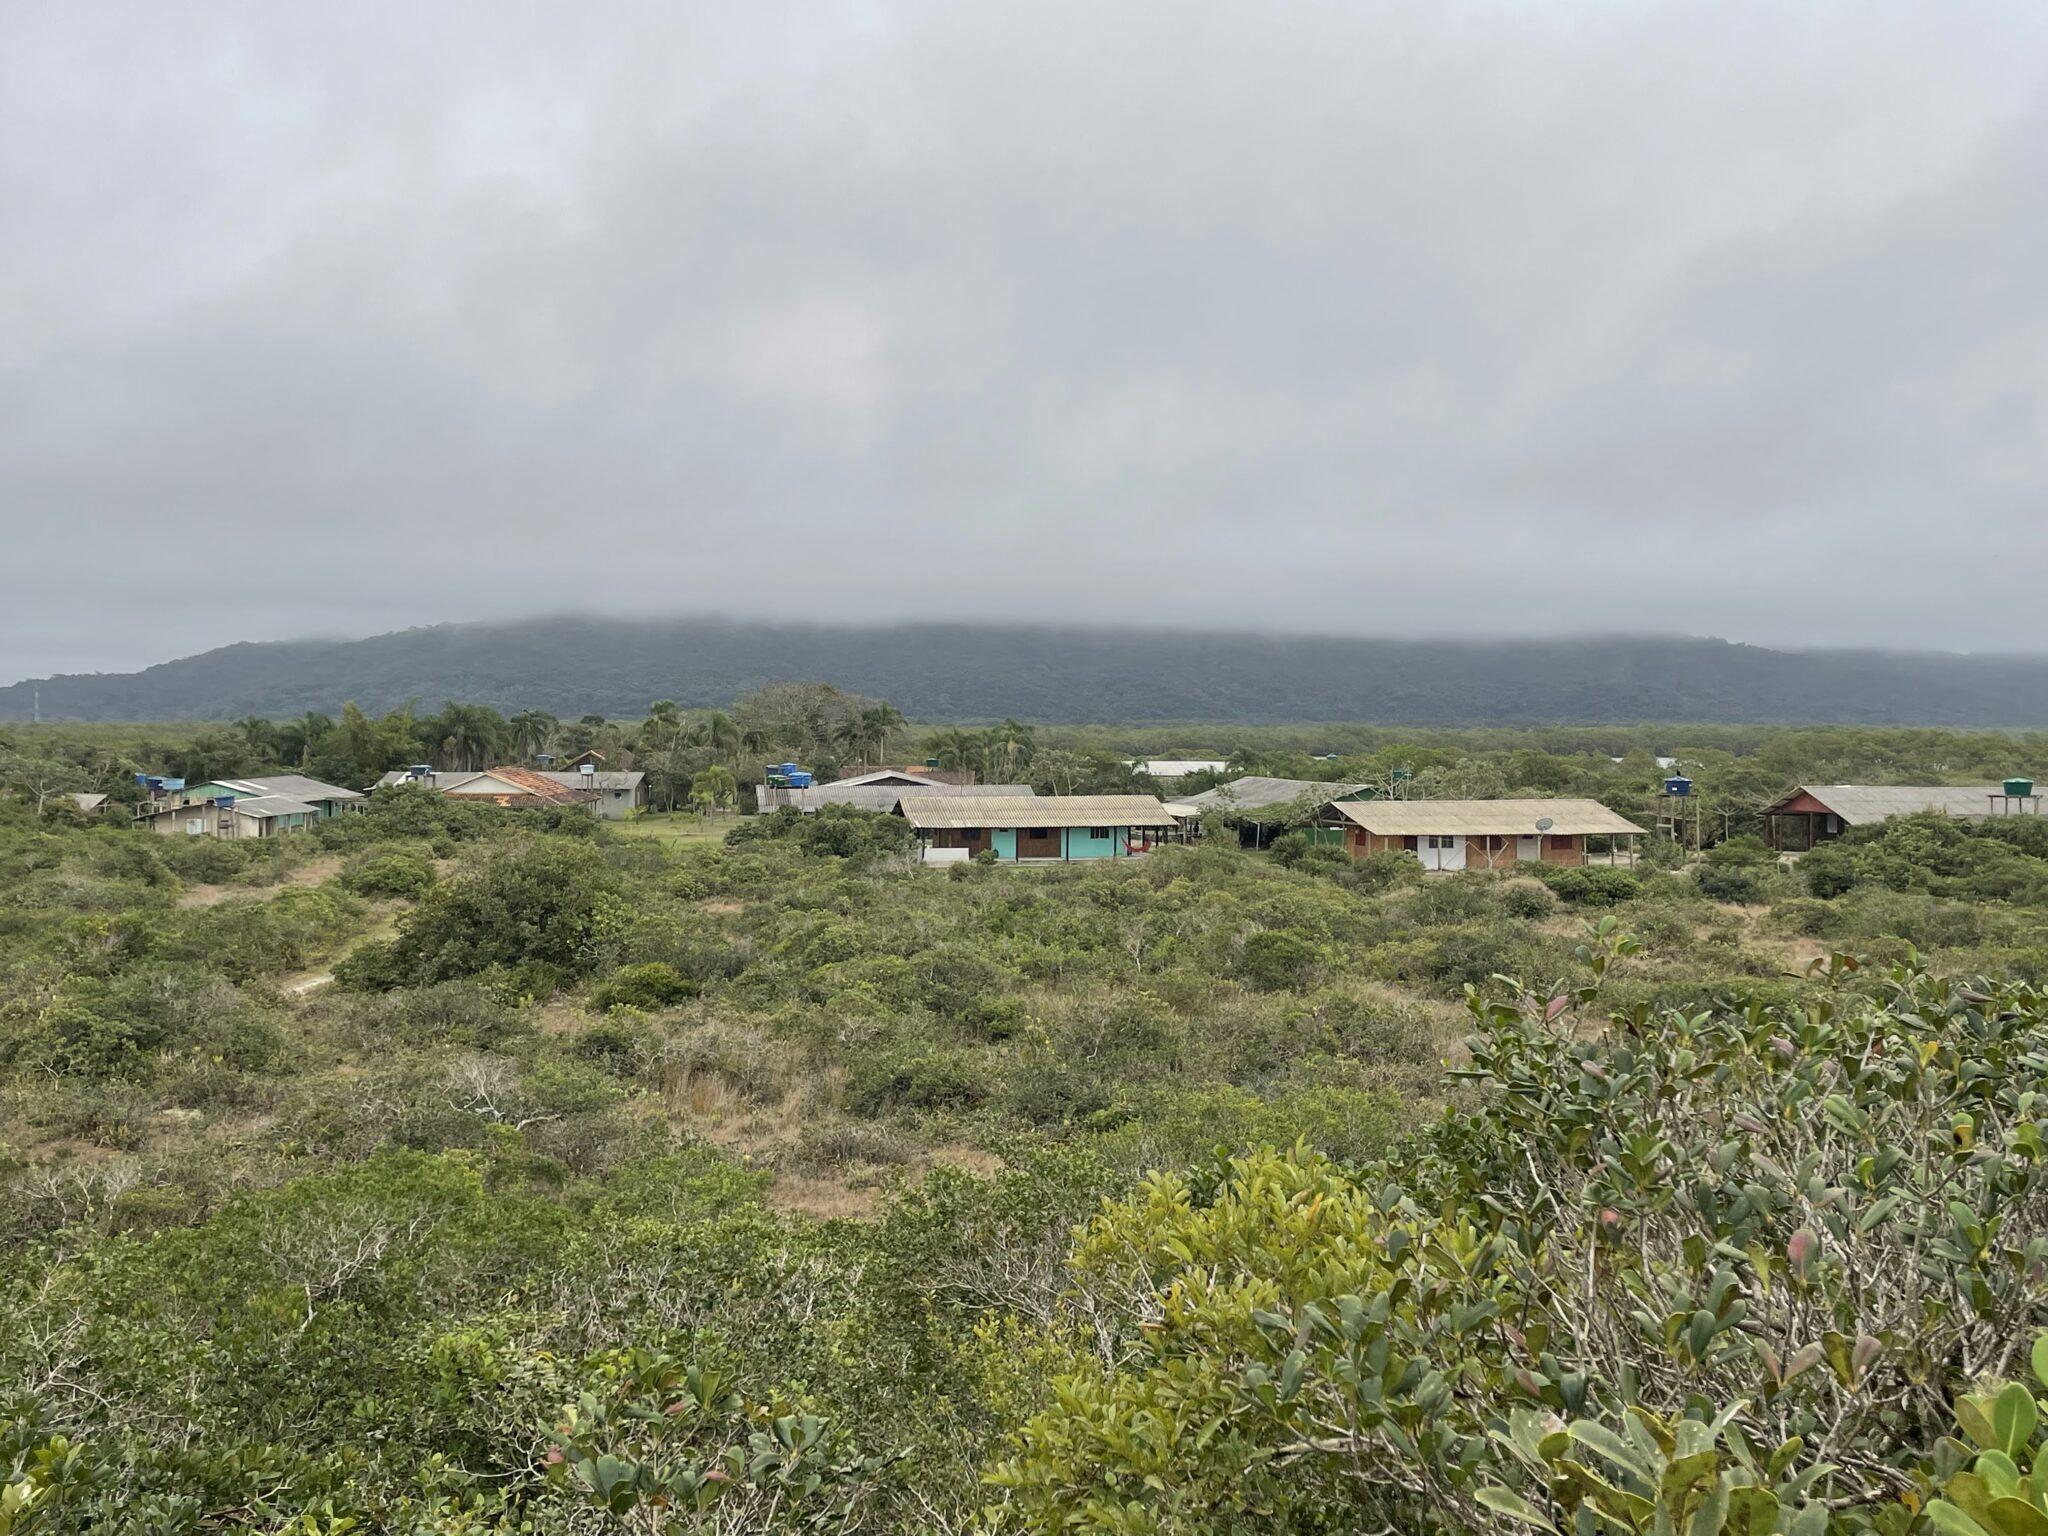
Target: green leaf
<point>1951,1521</point>
<point>1686,1473</point>
<point>2016,1517</point>
<point>1514,1506</point>
<point>2012,1419</point>
<point>2041,1359</point>
<point>1751,1512</point>
<point>1600,1438</point>
<point>1974,1419</point>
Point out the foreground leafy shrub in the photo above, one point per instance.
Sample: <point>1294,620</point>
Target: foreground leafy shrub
<point>1730,1263</point>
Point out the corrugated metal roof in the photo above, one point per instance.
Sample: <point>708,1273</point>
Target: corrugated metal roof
<point>953,810</point>
<point>1254,792</point>
<point>1483,818</point>
<point>1861,804</point>
<point>294,786</point>
<point>883,797</point>
<point>266,807</point>
<point>882,778</point>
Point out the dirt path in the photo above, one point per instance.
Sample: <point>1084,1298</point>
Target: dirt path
<point>315,872</point>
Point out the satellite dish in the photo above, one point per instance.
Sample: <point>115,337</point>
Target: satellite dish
<point>1544,823</point>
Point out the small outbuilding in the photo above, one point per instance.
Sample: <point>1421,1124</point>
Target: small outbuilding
<point>1479,834</point>
<point>1035,828</point>
<point>1813,813</point>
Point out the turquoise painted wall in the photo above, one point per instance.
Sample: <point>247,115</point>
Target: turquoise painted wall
<point>1082,846</point>
<point>1004,841</point>
<point>211,791</point>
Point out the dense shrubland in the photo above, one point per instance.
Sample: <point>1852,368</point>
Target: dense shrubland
<point>787,1185</point>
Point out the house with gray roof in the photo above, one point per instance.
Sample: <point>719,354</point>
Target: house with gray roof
<point>1813,813</point>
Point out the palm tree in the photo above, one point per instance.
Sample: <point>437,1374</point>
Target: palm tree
<point>715,731</point>
<point>261,736</point>
<point>956,749</point>
<point>299,739</point>
<point>1006,749</point>
<point>531,731</point>
<point>876,727</point>
<point>471,735</point>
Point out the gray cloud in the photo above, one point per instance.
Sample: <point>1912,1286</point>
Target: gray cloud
<point>1373,318</point>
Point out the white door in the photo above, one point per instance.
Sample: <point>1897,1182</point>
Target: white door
<point>1443,850</point>
<point>1528,849</point>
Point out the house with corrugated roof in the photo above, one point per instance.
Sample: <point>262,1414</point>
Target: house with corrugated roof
<point>1813,813</point>
<point>513,788</point>
<point>229,816</point>
<point>327,799</point>
<point>1480,834</point>
<point>1035,828</point>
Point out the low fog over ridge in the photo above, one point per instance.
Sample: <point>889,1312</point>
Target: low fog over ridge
<point>1470,319</point>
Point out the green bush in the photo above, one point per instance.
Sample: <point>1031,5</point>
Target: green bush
<point>1527,899</point>
<point>389,872</point>
<point>1619,1294</point>
<point>1280,958</point>
<point>916,1078</point>
<point>1736,883</point>
<point>544,911</point>
<point>1590,885</point>
<point>647,987</point>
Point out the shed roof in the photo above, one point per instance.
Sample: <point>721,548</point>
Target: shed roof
<point>88,802</point>
<point>1483,818</point>
<point>294,786</point>
<point>266,807</point>
<point>1254,792</point>
<point>883,797</point>
<point>954,810</point>
<point>1861,804</point>
<point>902,778</point>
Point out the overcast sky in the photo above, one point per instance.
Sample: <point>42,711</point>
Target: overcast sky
<point>1424,318</point>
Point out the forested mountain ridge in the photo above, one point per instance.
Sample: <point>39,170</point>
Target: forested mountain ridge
<point>573,666</point>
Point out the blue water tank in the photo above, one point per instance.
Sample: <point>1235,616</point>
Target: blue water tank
<point>170,783</point>
<point>798,778</point>
<point>1678,786</point>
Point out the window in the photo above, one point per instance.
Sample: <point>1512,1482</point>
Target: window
<point>1039,834</point>
<point>1411,842</point>
<point>194,827</point>
<point>1560,841</point>
<point>1099,834</point>
<point>1442,840</point>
